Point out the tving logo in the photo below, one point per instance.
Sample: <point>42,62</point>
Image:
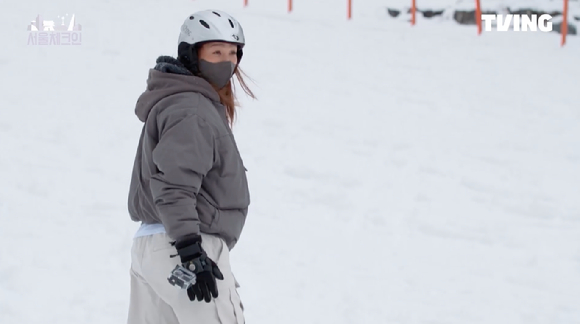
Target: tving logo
<point>522,23</point>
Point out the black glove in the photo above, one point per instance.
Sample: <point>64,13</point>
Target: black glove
<point>194,258</point>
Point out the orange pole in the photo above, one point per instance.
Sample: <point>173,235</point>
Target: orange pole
<point>478,16</point>
<point>349,9</point>
<point>564,29</point>
<point>413,9</point>
<point>289,5</point>
<point>245,3</point>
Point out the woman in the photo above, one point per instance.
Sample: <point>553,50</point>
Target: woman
<point>189,188</point>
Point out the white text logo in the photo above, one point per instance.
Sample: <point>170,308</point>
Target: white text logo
<point>520,22</point>
<point>47,32</point>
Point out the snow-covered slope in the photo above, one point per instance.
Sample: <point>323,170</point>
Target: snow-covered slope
<point>398,175</point>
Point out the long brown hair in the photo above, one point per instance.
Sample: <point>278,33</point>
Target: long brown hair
<point>228,95</point>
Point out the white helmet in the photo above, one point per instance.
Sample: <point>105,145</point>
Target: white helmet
<point>211,25</point>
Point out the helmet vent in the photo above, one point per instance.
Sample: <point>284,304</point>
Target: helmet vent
<point>231,23</point>
<point>217,14</point>
<point>190,17</point>
<point>204,24</point>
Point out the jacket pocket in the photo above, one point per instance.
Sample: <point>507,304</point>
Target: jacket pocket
<point>207,211</point>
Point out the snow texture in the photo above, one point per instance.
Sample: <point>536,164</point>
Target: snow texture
<point>398,174</point>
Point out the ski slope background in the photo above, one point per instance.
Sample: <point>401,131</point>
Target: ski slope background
<point>398,175</point>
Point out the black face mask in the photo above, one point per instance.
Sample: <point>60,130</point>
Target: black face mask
<point>217,74</point>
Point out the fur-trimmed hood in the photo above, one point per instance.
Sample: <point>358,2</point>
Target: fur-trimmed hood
<point>169,77</point>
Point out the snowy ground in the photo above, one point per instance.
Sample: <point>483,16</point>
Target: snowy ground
<point>398,175</point>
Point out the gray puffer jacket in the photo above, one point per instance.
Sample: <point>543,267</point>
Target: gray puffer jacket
<point>188,173</point>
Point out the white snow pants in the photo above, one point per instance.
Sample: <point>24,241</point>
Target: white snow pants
<point>155,301</point>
